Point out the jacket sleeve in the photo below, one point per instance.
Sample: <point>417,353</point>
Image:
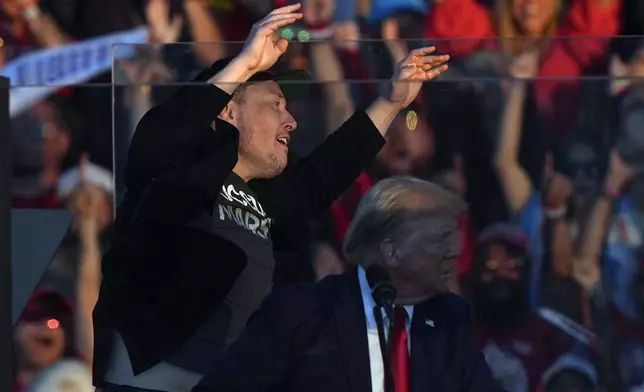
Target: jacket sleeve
<point>176,160</point>
<point>309,188</point>
<point>258,360</point>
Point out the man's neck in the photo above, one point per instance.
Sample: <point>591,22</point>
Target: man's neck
<point>243,172</point>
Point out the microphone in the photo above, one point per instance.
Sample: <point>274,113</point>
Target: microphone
<point>384,295</point>
<point>382,290</point>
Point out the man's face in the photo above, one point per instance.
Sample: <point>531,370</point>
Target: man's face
<point>426,260</point>
<point>501,265</point>
<point>264,125</point>
<point>498,285</point>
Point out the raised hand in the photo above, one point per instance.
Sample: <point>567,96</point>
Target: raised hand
<point>263,46</point>
<point>419,66</point>
<point>586,273</point>
<point>163,28</point>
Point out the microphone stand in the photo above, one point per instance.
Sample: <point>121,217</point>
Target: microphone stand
<point>385,345</point>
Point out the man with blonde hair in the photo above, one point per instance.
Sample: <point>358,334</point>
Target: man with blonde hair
<point>323,337</point>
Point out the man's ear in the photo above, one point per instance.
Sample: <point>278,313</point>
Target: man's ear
<point>227,114</point>
<point>390,253</point>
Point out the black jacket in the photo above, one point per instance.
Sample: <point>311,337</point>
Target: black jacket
<point>163,279</point>
<point>313,337</point>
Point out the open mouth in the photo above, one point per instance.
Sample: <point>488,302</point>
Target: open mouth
<point>284,140</point>
<point>44,341</point>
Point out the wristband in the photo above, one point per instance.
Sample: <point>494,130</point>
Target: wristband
<point>31,13</point>
<point>610,192</point>
<point>556,213</point>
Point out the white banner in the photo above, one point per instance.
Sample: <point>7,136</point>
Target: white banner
<point>572,328</point>
<point>47,70</point>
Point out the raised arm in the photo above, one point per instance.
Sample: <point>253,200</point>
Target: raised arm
<point>587,264</point>
<point>43,27</point>
<point>205,31</point>
<point>514,179</point>
<point>176,160</point>
<point>310,187</point>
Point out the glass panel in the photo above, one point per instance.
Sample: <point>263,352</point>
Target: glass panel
<point>571,113</point>
<point>583,97</point>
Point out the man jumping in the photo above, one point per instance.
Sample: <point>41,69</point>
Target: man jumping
<point>207,184</point>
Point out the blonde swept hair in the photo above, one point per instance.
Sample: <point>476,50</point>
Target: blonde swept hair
<point>388,207</point>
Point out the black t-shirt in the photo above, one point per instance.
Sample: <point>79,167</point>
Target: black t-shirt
<point>240,218</point>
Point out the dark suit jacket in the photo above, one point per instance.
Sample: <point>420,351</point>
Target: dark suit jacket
<point>312,338</point>
<point>162,279</point>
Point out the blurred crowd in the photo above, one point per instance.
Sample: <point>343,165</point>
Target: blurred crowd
<point>537,125</point>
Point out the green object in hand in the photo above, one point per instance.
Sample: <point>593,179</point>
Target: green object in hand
<point>303,36</point>
<point>287,34</point>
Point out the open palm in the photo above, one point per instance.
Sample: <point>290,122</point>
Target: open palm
<point>419,66</point>
<point>263,48</point>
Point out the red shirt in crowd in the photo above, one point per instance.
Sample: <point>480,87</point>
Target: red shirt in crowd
<point>455,20</point>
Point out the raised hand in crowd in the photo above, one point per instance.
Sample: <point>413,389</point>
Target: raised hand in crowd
<point>619,173</point>
<point>586,268</point>
<point>91,207</point>
<point>203,27</point>
<point>43,28</point>
<point>16,8</point>
<point>559,187</point>
<point>164,28</point>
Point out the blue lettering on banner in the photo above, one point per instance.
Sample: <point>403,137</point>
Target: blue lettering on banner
<point>72,62</point>
<point>103,53</point>
<point>54,69</point>
<point>42,72</point>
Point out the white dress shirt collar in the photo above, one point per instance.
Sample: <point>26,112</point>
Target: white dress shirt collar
<point>369,303</point>
<point>373,341</point>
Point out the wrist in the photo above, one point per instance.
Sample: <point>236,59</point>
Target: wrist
<point>235,73</point>
<point>556,213</point>
<point>243,65</point>
<point>390,104</point>
<point>611,191</point>
<point>194,5</point>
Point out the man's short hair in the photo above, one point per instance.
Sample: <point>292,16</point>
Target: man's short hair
<point>240,91</point>
<point>387,209</point>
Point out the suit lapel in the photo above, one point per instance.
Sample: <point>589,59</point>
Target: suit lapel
<point>351,328</point>
<point>427,347</point>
